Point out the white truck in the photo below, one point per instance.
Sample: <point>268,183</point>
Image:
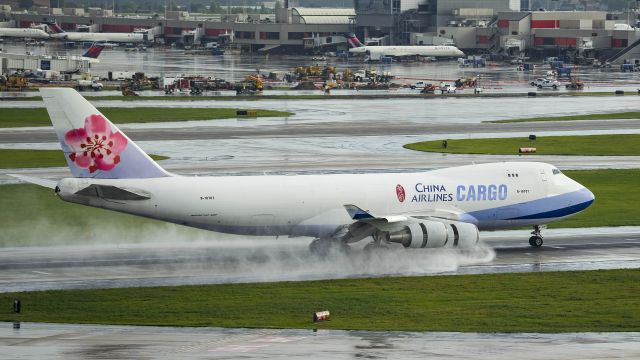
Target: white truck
<point>549,84</point>
<point>89,84</point>
<point>120,75</point>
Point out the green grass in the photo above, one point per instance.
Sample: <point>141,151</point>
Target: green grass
<point>616,198</point>
<point>18,158</point>
<point>572,301</point>
<point>19,117</point>
<point>32,215</point>
<point>546,145</point>
<point>606,116</point>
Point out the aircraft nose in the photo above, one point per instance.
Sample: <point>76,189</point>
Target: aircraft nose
<point>588,196</point>
<point>584,199</point>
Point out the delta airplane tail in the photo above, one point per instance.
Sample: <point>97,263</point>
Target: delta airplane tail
<point>55,28</point>
<point>93,146</point>
<point>94,51</point>
<point>353,40</point>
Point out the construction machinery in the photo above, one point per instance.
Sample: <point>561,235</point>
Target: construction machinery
<point>13,82</point>
<point>575,84</point>
<point>252,84</point>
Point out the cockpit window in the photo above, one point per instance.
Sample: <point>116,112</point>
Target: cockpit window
<point>556,171</point>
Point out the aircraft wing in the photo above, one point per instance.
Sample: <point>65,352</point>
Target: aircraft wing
<point>451,213</point>
<point>366,224</point>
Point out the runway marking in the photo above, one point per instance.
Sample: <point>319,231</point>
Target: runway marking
<point>280,339</point>
<point>239,348</point>
<point>40,272</point>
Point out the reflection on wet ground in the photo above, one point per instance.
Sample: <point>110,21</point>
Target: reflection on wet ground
<point>496,77</point>
<point>57,341</point>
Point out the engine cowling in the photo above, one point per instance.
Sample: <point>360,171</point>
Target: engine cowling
<point>435,234</point>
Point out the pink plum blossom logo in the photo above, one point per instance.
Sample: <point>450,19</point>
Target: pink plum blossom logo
<point>400,193</point>
<point>95,147</point>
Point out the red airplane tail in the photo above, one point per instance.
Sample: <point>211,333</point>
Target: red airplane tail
<point>353,40</point>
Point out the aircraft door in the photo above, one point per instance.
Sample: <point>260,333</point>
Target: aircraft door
<point>543,175</point>
<point>544,179</point>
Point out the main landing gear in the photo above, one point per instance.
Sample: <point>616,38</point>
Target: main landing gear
<point>536,239</point>
<point>322,247</point>
<point>376,244</point>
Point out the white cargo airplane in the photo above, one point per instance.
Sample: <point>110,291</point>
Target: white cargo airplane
<point>438,208</point>
<point>58,33</point>
<point>375,53</point>
<point>32,33</point>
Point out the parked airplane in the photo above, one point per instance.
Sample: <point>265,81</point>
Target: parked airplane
<point>58,33</point>
<point>438,208</point>
<point>32,33</point>
<point>375,53</point>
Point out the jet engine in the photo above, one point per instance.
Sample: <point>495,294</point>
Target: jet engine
<point>434,234</point>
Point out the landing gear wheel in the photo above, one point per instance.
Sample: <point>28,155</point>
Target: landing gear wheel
<point>535,241</point>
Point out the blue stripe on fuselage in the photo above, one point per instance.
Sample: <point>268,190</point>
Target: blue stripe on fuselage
<point>546,208</point>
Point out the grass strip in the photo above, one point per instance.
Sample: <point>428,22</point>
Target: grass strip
<point>18,158</point>
<point>32,215</point>
<point>546,302</point>
<point>20,117</point>
<point>606,116</point>
<point>616,199</point>
<point>591,145</point>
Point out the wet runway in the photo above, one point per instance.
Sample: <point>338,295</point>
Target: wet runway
<point>234,259</point>
<point>59,341</point>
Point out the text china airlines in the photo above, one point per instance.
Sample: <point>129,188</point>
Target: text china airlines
<point>439,193</point>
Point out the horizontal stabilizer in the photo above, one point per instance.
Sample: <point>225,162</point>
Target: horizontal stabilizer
<point>113,193</point>
<point>34,180</point>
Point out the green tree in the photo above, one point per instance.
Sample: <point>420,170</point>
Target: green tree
<point>215,8</point>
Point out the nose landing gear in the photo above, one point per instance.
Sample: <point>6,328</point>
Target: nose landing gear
<point>536,239</point>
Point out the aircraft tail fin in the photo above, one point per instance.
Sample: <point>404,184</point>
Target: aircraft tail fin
<point>93,146</point>
<point>353,40</point>
<point>94,51</point>
<point>54,27</point>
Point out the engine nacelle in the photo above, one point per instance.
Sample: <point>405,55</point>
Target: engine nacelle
<point>435,234</point>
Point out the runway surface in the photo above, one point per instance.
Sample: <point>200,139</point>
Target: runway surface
<point>235,259</point>
<point>59,341</point>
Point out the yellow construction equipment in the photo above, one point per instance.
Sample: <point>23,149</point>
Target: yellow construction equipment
<point>13,82</point>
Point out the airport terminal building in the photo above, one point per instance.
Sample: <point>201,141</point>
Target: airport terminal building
<point>290,29</point>
<point>505,27</point>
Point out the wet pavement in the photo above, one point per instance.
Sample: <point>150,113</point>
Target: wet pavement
<point>496,77</point>
<point>60,341</point>
<point>175,256</point>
